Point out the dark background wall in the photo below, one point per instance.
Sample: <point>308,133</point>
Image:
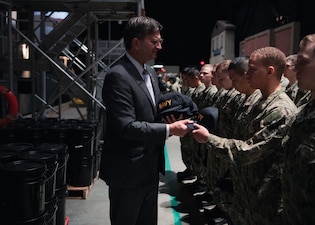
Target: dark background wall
<point>188,25</point>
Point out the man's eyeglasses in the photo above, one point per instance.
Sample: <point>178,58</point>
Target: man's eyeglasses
<point>156,42</point>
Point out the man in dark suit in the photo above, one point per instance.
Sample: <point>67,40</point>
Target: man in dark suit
<point>133,154</point>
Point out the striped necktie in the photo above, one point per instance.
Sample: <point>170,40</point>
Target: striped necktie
<point>147,81</point>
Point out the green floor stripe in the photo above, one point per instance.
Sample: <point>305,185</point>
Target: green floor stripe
<point>176,215</point>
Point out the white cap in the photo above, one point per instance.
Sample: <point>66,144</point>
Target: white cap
<point>157,66</point>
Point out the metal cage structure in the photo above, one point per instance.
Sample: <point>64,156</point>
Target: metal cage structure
<point>47,60</point>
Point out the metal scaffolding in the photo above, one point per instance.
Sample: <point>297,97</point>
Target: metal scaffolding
<point>47,60</point>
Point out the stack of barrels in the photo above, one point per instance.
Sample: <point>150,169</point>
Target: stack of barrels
<point>37,162</point>
<point>33,183</point>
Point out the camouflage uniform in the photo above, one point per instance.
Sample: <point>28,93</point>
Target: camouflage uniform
<point>258,161</point>
<point>242,114</point>
<point>304,99</point>
<point>188,142</point>
<point>284,82</point>
<point>241,121</point>
<point>217,96</point>
<point>299,171</point>
<point>298,96</point>
<point>207,98</point>
<point>196,95</point>
<point>187,90</point>
<point>228,105</point>
<point>211,169</point>
<point>184,143</point>
<point>177,87</point>
<point>200,153</point>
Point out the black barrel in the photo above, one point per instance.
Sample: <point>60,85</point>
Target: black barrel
<point>31,133</point>
<point>62,151</point>
<point>51,207</point>
<point>50,158</point>
<point>8,155</point>
<point>7,135</point>
<point>81,140</point>
<point>80,164</point>
<point>61,194</point>
<point>23,191</point>
<point>58,133</point>
<point>19,146</point>
<point>81,172</point>
<point>40,220</point>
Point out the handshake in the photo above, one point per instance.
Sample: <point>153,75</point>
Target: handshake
<point>208,118</point>
<point>191,126</point>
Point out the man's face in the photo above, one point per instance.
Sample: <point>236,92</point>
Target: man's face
<point>239,82</point>
<point>150,45</point>
<point>289,70</point>
<point>305,68</point>
<point>205,75</point>
<point>215,80</point>
<point>190,81</point>
<point>256,73</point>
<point>224,79</point>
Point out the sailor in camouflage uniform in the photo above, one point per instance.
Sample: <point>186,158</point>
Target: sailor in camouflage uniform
<point>229,102</point>
<point>221,91</point>
<point>298,95</point>
<point>258,161</point>
<point>218,169</point>
<point>299,171</point>
<point>206,76</point>
<point>237,112</point>
<point>238,70</point>
<point>191,78</point>
<point>200,154</point>
<point>212,163</point>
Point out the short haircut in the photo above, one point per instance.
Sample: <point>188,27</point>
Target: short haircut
<point>140,27</point>
<point>272,56</point>
<point>292,59</point>
<point>239,65</point>
<point>224,66</point>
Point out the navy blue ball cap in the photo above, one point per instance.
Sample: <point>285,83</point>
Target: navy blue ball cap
<point>208,117</point>
<point>176,103</point>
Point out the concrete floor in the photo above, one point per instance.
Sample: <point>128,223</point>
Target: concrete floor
<point>94,210</point>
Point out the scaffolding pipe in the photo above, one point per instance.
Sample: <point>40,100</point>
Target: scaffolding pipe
<point>10,44</point>
<point>61,69</point>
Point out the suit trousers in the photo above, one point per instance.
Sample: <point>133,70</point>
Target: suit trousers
<point>133,206</point>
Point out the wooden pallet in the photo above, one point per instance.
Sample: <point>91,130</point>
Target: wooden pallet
<point>80,192</point>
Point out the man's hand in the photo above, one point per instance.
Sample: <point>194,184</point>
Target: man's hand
<point>171,118</point>
<point>200,133</point>
<point>179,128</point>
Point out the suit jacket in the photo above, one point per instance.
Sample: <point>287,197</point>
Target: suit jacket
<point>133,151</point>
